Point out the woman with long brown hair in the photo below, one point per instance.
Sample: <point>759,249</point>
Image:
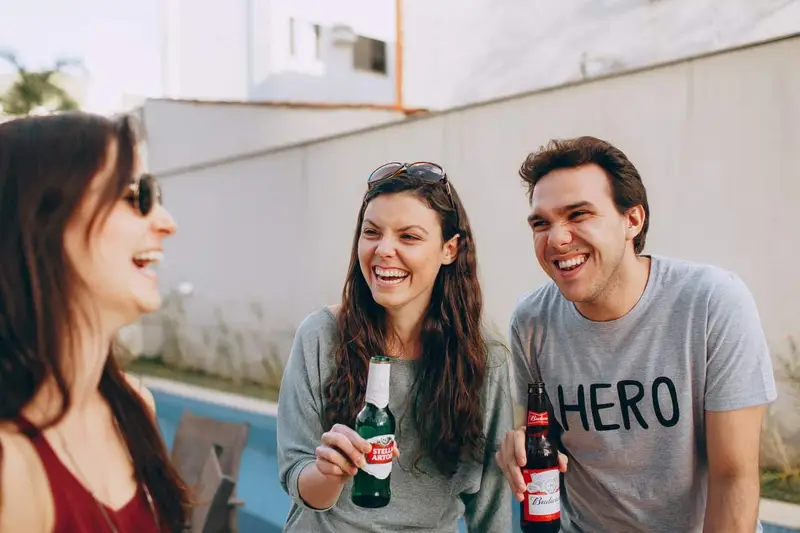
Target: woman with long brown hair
<point>80,449</point>
<point>412,293</point>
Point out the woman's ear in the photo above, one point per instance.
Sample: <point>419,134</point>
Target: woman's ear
<point>450,250</point>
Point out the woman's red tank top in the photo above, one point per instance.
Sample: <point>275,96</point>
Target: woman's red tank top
<point>75,509</point>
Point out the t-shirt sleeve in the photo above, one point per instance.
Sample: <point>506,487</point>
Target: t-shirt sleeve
<point>490,508</point>
<point>299,427</point>
<point>739,370</point>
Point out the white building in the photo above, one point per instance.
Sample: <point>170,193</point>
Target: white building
<point>453,55</point>
<point>340,51</point>
<point>346,51</point>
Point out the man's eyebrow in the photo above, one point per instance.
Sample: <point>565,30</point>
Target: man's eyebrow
<point>576,205</point>
<point>534,217</point>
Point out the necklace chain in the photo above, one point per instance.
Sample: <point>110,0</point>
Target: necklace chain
<point>100,505</point>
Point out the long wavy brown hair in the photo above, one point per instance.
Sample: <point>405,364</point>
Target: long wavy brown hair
<point>446,407</point>
<point>46,166</point>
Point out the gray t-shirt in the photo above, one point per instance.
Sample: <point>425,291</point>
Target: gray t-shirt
<point>629,395</point>
<point>420,502</point>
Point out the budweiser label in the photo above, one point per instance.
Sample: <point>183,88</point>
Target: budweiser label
<point>542,495</point>
<point>537,419</point>
<point>378,384</point>
<point>379,458</point>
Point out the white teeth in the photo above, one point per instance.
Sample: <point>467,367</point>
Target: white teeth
<point>149,257</point>
<point>390,272</point>
<point>570,263</point>
<point>391,281</point>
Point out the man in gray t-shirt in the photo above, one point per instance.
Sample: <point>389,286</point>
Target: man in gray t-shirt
<point>657,369</point>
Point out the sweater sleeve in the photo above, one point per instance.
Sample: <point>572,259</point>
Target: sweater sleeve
<point>300,408</point>
<point>489,509</point>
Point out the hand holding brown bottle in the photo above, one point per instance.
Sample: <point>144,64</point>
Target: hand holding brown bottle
<point>511,457</point>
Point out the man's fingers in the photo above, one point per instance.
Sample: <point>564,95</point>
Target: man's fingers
<point>519,447</point>
<point>517,481</point>
<point>563,461</point>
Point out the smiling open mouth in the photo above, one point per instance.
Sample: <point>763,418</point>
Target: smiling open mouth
<point>389,276</point>
<point>145,259</point>
<point>571,264</point>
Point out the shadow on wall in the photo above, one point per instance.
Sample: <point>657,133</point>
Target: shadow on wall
<point>780,445</point>
<point>226,340</point>
<point>230,341</point>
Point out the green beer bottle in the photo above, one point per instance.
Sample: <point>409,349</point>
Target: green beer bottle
<point>375,423</point>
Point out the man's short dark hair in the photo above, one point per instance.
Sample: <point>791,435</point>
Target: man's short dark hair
<point>627,188</point>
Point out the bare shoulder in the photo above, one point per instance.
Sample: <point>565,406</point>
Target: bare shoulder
<point>136,384</point>
<point>25,500</point>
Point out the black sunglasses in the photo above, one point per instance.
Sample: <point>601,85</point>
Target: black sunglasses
<point>144,193</point>
<point>430,172</point>
<point>422,170</point>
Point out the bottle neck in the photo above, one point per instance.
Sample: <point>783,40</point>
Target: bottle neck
<point>378,384</point>
<point>538,418</point>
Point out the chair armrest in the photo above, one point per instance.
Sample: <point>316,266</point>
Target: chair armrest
<point>235,502</point>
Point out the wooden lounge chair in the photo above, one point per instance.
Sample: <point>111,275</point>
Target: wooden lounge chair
<point>211,497</point>
<point>195,436</point>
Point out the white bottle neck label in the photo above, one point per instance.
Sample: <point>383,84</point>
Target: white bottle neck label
<point>378,384</point>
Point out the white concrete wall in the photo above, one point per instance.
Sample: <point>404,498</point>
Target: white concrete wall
<point>715,140</point>
<point>454,56</point>
<point>182,133</point>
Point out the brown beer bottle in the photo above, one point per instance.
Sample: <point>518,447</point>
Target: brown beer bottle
<point>372,484</point>
<point>540,510</point>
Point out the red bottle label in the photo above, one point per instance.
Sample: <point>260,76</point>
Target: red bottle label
<point>537,419</point>
<point>379,458</point>
<point>542,501</point>
<point>382,450</point>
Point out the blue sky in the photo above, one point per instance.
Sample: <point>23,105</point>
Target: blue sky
<point>117,39</point>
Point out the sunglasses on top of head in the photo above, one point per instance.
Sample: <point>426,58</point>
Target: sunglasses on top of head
<point>144,194</point>
<point>422,170</point>
<point>430,172</point>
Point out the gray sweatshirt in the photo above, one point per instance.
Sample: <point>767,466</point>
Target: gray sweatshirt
<point>420,502</point>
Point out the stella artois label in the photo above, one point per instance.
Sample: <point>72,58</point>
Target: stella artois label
<point>379,459</point>
<point>542,495</point>
<point>537,419</point>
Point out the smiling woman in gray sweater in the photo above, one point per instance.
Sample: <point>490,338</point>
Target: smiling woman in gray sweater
<point>412,293</point>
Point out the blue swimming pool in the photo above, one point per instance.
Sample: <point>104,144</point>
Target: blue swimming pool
<point>266,504</point>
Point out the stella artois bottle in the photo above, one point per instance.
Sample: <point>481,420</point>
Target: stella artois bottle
<point>375,423</point>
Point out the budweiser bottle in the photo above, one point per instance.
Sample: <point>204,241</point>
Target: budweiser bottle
<point>541,507</point>
<point>375,423</point>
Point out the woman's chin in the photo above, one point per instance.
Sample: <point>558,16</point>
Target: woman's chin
<point>148,303</point>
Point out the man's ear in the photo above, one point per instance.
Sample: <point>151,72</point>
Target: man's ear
<point>635,218</point>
